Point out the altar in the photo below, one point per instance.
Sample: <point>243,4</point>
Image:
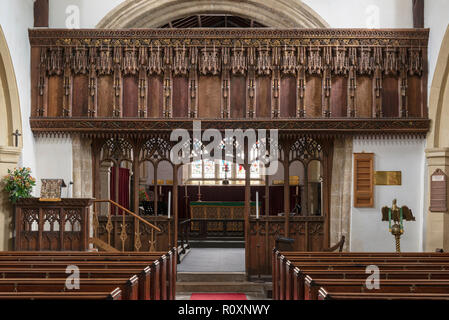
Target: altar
<point>221,211</point>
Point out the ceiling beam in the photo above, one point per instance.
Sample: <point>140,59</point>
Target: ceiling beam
<point>418,13</point>
<point>41,13</point>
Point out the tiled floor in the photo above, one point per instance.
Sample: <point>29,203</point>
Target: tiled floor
<point>214,260</point>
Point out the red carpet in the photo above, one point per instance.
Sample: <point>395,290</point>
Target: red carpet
<point>218,296</point>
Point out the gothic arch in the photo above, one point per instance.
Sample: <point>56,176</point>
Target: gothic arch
<point>439,99</point>
<point>9,97</point>
<point>437,152</point>
<point>153,14</point>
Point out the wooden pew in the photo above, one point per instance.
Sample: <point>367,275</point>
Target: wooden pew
<point>156,271</point>
<point>116,294</point>
<point>144,276</point>
<point>298,291</point>
<point>312,286</point>
<point>128,287</point>
<point>325,295</point>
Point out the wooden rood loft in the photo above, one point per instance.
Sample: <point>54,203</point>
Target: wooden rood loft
<point>318,80</point>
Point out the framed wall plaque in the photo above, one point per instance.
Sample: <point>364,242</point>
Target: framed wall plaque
<point>438,191</point>
<point>388,178</point>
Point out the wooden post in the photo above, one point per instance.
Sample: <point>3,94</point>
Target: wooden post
<point>155,165</point>
<point>286,188</point>
<point>418,13</point>
<point>136,174</point>
<point>247,207</point>
<point>175,205</point>
<point>41,13</point>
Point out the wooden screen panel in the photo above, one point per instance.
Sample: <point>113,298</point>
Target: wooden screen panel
<point>339,94</point>
<point>55,97</point>
<point>263,97</point>
<point>180,97</point>
<point>209,97</point>
<point>130,97</point>
<point>390,97</point>
<point>363,180</point>
<point>364,97</point>
<point>105,99</point>
<point>312,97</point>
<point>238,97</point>
<point>414,96</point>
<point>80,96</point>
<point>288,97</point>
<point>155,97</point>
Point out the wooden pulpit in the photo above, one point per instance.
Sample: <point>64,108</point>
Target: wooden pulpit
<point>52,225</point>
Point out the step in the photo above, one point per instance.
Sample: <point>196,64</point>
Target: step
<point>239,286</point>
<point>211,277</point>
<point>217,244</point>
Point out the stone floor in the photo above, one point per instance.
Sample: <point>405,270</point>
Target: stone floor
<point>214,260</point>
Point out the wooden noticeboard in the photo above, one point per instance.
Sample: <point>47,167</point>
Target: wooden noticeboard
<point>438,191</point>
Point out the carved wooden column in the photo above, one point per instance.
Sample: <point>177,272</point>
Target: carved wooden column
<point>251,83</point>
<point>136,179</point>
<point>167,108</point>
<point>286,144</point>
<point>67,84</point>
<point>377,83</point>
<point>275,82</point>
<point>143,82</point>
<point>193,82</point>
<point>267,194</point>
<point>92,83</point>
<point>352,83</point>
<point>42,101</point>
<point>225,84</point>
<point>247,210</point>
<point>156,195</point>
<point>326,82</point>
<point>118,83</point>
<point>175,204</point>
<point>403,83</point>
<point>300,82</point>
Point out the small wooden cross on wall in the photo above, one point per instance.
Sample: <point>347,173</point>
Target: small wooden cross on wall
<point>16,134</point>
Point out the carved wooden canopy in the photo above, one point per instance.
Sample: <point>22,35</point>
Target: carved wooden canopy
<point>137,81</point>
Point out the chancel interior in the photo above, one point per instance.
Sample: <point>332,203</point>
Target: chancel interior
<point>224,150</point>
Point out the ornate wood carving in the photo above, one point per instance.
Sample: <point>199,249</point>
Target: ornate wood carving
<point>323,55</point>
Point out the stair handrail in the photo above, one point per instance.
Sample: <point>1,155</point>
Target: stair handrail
<point>129,212</point>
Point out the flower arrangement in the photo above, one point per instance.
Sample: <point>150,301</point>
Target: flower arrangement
<point>19,184</point>
<point>143,196</point>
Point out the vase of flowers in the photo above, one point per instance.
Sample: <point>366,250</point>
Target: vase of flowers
<point>19,184</point>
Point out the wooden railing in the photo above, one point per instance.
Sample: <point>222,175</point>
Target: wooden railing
<point>124,235</point>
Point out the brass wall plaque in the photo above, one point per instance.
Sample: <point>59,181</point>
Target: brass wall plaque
<point>388,178</point>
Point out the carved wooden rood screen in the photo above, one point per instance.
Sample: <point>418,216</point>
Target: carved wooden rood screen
<point>126,90</point>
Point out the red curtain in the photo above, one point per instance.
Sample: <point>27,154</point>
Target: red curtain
<point>123,187</point>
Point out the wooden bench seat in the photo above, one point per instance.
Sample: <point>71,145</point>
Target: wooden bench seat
<point>116,294</point>
<point>325,295</point>
<point>129,287</point>
<point>312,286</point>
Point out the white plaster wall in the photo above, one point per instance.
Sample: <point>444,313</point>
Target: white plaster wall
<point>436,17</point>
<point>54,161</point>
<point>16,16</point>
<point>368,232</point>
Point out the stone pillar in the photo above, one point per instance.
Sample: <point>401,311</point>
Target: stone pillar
<point>82,167</point>
<point>437,223</point>
<point>9,157</point>
<point>341,189</point>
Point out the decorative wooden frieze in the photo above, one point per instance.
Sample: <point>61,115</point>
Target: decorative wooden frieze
<point>209,61</point>
<point>180,62</point>
<point>155,61</point>
<point>238,61</point>
<point>104,62</point>
<point>263,61</point>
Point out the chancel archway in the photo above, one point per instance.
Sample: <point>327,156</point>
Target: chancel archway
<point>10,121</point>
<point>155,14</point>
<point>437,152</point>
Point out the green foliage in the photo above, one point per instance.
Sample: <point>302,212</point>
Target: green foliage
<point>19,184</point>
